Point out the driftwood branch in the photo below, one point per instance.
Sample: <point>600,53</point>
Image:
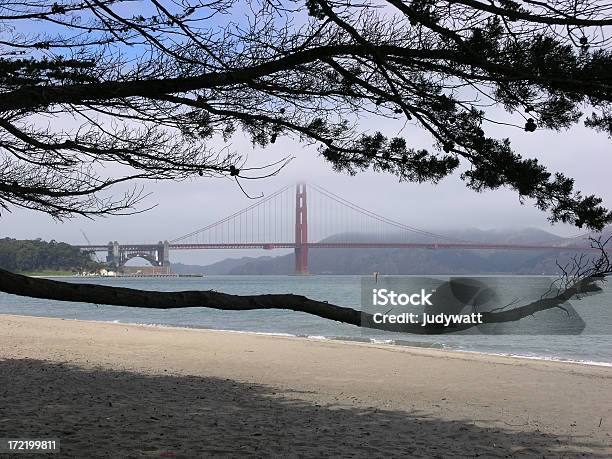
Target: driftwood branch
<point>571,287</point>
<point>17,284</point>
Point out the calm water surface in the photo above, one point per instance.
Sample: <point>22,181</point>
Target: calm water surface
<point>594,345</point>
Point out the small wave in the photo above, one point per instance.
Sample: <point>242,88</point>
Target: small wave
<point>290,335</point>
<point>547,358</point>
<point>381,341</point>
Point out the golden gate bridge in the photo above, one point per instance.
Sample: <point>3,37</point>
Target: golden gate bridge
<point>302,218</point>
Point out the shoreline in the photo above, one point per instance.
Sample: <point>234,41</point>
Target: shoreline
<point>343,339</point>
<point>382,343</point>
<point>134,390</point>
<point>372,343</point>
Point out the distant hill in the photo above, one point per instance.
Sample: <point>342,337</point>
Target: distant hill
<point>414,261</point>
<point>222,267</point>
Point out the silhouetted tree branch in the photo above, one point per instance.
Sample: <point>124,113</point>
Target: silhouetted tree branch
<point>144,88</point>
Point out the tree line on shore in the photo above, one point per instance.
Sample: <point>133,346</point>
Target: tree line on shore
<point>38,255</point>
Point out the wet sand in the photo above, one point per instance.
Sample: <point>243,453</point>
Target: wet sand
<point>113,390</point>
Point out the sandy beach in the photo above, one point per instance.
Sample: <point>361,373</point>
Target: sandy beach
<point>114,390</point>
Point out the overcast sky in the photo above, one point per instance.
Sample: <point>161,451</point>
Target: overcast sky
<point>185,206</point>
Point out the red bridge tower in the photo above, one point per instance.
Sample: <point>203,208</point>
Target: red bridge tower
<point>301,230</point>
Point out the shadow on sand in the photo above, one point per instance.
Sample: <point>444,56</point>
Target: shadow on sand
<point>108,413</point>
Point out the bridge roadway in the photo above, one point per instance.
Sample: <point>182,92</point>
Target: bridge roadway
<point>348,245</point>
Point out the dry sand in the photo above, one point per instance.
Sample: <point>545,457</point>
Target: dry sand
<point>112,390</point>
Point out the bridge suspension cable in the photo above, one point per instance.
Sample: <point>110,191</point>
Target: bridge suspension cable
<point>383,219</point>
<point>272,220</point>
<point>237,216</point>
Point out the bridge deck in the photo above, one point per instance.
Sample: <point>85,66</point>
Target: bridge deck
<point>350,245</point>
